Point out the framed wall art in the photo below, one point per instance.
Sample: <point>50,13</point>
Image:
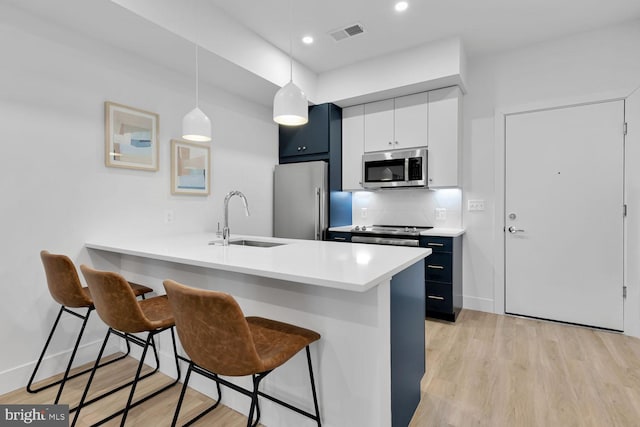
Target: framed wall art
<point>131,137</point>
<point>190,170</point>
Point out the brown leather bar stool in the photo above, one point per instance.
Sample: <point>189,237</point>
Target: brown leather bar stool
<point>118,307</point>
<point>66,289</point>
<point>219,340</point>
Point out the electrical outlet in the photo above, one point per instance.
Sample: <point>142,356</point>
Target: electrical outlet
<point>475,205</point>
<point>363,213</point>
<point>441,214</point>
<point>169,216</point>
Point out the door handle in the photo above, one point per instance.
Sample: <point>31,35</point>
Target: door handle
<point>514,230</point>
<point>318,214</point>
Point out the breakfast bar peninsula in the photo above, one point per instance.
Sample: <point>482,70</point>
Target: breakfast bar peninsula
<point>366,301</point>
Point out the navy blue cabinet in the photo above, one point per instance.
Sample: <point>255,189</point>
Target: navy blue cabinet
<point>443,277</point>
<point>312,138</point>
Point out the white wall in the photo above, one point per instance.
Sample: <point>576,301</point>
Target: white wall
<point>56,192</point>
<point>586,66</point>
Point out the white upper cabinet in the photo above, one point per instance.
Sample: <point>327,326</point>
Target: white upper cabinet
<point>445,124</point>
<point>378,125</point>
<point>352,147</point>
<point>411,121</point>
<point>396,123</point>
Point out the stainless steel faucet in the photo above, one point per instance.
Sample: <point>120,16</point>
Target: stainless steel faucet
<point>225,230</point>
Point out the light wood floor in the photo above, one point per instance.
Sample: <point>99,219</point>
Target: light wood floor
<point>156,412</point>
<point>490,370</point>
<point>484,370</point>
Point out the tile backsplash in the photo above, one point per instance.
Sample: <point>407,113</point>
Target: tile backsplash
<point>437,208</point>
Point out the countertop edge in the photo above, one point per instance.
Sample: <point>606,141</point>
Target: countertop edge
<point>346,286</point>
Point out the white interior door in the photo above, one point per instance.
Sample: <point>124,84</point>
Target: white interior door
<point>564,198</point>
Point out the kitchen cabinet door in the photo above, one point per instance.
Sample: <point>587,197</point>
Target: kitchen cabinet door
<point>352,147</point>
<point>378,125</point>
<point>311,138</point>
<point>410,121</point>
<point>444,131</point>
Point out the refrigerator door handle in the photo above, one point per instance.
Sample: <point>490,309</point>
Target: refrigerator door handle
<point>318,214</point>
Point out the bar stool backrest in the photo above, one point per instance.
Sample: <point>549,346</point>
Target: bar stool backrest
<point>63,281</point>
<point>115,302</point>
<point>213,330</point>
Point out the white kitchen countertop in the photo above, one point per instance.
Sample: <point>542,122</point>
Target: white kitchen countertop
<point>354,267</point>
<point>436,231</point>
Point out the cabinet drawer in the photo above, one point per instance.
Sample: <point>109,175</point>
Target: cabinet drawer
<point>439,297</point>
<point>339,236</point>
<point>438,267</point>
<point>437,244</point>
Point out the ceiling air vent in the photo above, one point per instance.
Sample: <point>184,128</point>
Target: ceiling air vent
<point>346,32</point>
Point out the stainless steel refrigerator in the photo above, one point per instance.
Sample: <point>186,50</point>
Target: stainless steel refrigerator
<point>300,205</point>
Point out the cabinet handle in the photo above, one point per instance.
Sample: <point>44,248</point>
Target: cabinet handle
<point>396,142</point>
<point>304,148</point>
<point>340,239</point>
<point>299,148</point>
<point>436,267</point>
<point>390,143</point>
<point>436,244</point>
<point>435,297</point>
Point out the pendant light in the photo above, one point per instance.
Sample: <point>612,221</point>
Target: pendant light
<point>290,105</point>
<point>196,126</point>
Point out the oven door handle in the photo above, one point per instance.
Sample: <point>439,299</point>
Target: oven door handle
<point>385,241</point>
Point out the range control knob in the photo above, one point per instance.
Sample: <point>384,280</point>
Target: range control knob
<point>357,228</point>
<point>364,228</point>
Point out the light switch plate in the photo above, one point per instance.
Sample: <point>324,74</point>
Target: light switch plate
<point>441,214</point>
<point>475,205</point>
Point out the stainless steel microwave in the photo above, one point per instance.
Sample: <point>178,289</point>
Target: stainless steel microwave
<point>393,169</point>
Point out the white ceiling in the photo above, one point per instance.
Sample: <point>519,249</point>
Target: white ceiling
<point>485,26</point>
<point>246,36</point>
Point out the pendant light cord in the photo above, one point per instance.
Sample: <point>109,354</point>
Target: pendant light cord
<point>197,105</point>
<point>291,40</point>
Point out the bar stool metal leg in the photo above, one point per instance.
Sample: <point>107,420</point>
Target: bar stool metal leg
<point>194,367</point>
<point>145,344</point>
<point>66,376</point>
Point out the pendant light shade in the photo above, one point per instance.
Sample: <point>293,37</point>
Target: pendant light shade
<point>290,106</point>
<point>196,126</point>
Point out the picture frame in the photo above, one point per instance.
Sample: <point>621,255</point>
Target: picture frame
<point>131,137</point>
<point>190,168</point>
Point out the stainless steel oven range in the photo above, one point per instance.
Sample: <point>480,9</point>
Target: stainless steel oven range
<point>396,235</point>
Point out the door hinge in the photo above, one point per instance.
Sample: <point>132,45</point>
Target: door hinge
<point>624,292</point>
<point>624,128</point>
<point>624,210</point>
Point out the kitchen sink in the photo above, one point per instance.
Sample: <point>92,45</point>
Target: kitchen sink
<point>254,243</point>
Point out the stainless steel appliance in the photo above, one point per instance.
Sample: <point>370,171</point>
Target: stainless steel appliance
<point>393,169</point>
<point>300,208</point>
<point>396,235</point>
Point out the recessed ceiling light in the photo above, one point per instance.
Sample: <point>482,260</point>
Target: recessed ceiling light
<point>401,6</point>
<point>307,40</point>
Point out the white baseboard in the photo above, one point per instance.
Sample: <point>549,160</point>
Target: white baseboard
<point>17,377</point>
<point>479,304</point>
